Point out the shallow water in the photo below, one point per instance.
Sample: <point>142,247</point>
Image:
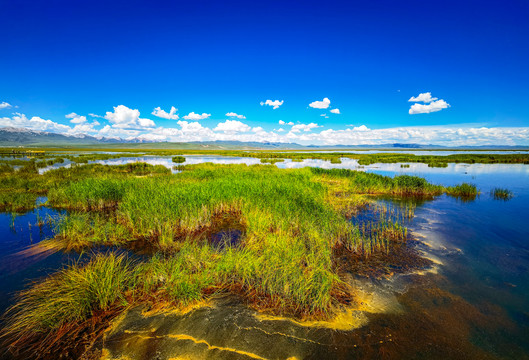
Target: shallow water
<point>472,304</point>
<point>420,152</point>
<point>17,268</point>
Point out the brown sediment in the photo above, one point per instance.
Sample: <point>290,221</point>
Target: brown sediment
<point>400,258</point>
<point>435,325</point>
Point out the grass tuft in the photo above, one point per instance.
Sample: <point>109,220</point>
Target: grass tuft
<point>501,194</point>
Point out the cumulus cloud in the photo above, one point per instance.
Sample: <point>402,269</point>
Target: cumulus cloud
<point>275,104</point>
<point>4,105</point>
<point>431,104</point>
<point>423,97</point>
<point>35,123</point>
<point>335,111</point>
<point>171,115</point>
<point>118,133</point>
<point>193,116</point>
<point>281,122</point>
<point>428,108</point>
<point>96,116</point>
<point>324,104</point>
<point>358,135</point>
<point>232,114</point>
<point>83,129</point>
<point>304,127</point>
<point>232,126</point>
<point>76,119</point>
<point>124,118</point>
<point>449,136</point>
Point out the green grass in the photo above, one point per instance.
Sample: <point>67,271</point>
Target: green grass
<point>271,161</point>
<point>465,191</point>
<point>501,193</point>
<point>20,189</point>
<point>72,294</point>
<point>179,159</point>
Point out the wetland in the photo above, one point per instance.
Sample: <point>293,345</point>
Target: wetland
<point>267,255</point>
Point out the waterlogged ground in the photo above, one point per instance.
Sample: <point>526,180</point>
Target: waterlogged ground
<point>471,304</point>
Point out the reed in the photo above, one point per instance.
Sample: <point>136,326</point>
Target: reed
<point>501,193</point>
<point>70,296</point>
<point>464,191</point>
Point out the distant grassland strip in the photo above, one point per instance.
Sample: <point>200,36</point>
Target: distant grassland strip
<point>270,156</point>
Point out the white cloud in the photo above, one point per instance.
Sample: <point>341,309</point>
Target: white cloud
<point>83,129</point>
<point>428,108</point>
<point>275,104</point>
<point>324,104</point>
<point>281,122</point>
<point>449,136</point>
<point>304,127</point>
<point>4,105</point>
<point>118,133</point>
<point>96,116</point>
<point>171,115</point>
<point>232,126</point>
<point>35,123</point>
<point>124,118</point>
<point>232,114</point>
<point>335,111</point>
<point>193,116</point>
<point>423,97</point>
<point>76,119</point>
<point>431,104</point>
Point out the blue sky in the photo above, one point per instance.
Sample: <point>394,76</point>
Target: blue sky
<point>368,58</point>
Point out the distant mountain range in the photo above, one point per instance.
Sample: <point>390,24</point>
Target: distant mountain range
<point>10,136</point>
<point>19,137</point>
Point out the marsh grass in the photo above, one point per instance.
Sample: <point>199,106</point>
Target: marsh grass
<point>53,307</point>
<point>271,161</point>
<point>501,193</point>
<point>464,191</point>
<point>179,159</point>
<point>20,189</point>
